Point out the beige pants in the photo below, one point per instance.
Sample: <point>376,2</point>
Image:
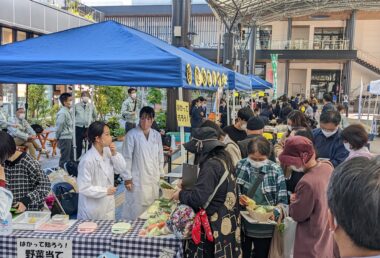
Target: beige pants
<point>31,144</point>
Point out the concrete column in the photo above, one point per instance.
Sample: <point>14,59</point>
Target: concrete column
<point>252,50</point>
<point>352,26</point>
<point>286,86</point>
<point>308,82</point>
<point>311,37</point>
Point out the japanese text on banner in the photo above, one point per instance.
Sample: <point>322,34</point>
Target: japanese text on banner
<point>183,117</point>
<point>44,248</point>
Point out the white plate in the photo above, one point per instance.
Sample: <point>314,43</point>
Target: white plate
<point>245,214</point>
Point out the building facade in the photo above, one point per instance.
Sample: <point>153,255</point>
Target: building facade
<point>332,53</point>
<point>25,19</point>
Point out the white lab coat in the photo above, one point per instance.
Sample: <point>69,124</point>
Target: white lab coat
<point>95,176</point>
<point>145,163</point>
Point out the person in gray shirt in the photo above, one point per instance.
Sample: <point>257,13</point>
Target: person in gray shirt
<point>85,114</point>
<point>64,133</point>
<point>130,109</point>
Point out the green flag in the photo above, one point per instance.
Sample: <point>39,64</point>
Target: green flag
<point>274,58</point>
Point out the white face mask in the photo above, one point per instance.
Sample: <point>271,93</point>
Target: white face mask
<point>329,134</point>
<point>257,164</point>
<point>290,128</point>
<point>347,146</point>
<point>21,116</point>
<point>244,127</point>
<point>133,95</point>
<point>85,99</point>
<point>301,169</point>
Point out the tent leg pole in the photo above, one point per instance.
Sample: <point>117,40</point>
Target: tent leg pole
<point>228,108</point>
<point>182,129</point>
<point>233,107</point>
<point>73,115</point>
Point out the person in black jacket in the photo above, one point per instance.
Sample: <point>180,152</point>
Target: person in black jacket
<point>197,114</point>
<point>223,113</point>
<point>223,209</point>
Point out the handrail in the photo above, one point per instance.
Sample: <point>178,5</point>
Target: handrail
<point>369,58</point>
<point>76,8</point>
<point>303,44</point>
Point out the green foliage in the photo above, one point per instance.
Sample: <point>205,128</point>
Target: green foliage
<point>115,128</point>
<point>37,101</point>
<point>52,115</point>
<point>161,120</point>
<point>108,100</point>
<point>154,96</point>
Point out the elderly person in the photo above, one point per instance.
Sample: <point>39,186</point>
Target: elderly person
<point>353,200</point>
<point>216,172</point>
<point>308,205</point>
<point>327,139</point>
<point>355,140</point>
<point>6,197</point>
<point>24,135</point>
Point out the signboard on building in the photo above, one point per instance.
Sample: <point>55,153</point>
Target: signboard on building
<point>274,58</point>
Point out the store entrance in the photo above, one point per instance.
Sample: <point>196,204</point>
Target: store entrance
<point>324,81</point>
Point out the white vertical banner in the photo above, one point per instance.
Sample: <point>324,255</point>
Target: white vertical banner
<point>360,99</point>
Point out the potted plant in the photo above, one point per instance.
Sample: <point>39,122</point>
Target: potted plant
<point>155,97</point>
<point>119,134</point>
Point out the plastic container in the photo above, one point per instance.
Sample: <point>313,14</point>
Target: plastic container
<point>173,146</point>
<point>31,220</point>
<point>6,226</point>
<point>178,137</point>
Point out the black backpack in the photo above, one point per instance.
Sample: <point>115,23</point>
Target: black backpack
<point>37,128</point>
<point>72,168</point>
<point>67,197</point>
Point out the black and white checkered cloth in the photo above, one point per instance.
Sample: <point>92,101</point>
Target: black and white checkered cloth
<point>84,245</point>
<point>102,240</point>
<point>130,245</point>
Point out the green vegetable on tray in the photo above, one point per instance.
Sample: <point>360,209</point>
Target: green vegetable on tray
<point>165,185</point>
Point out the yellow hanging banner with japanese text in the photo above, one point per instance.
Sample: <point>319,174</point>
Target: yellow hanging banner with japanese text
<point>183,113</point>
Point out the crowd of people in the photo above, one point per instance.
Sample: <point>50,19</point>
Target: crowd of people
<point>320,170</point>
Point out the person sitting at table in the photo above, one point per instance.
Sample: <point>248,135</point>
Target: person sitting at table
<point>24,135</point>
<point>96,175</point>
<point>25,178</point>
<point>144,156</point>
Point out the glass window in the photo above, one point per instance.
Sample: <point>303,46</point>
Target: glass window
<point>21,35</point>
<point>260,70</point>
<point>21,95</point>
<point>324,81</point>
<point>35,35</point>
<point>9,97</point>
<point>264,37</point>
<point>6,36</point>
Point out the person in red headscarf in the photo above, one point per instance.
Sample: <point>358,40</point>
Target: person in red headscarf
<point>308,205</point>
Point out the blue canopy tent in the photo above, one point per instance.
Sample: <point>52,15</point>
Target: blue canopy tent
<point>240,82</point>
<point>259,84</point>
<point>106,53</point>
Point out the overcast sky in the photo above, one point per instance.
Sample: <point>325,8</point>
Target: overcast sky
<point>132,2</point>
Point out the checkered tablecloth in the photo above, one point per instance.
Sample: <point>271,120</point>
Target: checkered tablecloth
<point>84,245</point>
<point>130,245</point>
<point>101,241</point>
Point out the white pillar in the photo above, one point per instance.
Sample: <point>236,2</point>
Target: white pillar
<point>311,37</point>
<point>228,108</point>
<point>73,115</point>
<point>182,129</point>
<point>308,83</point>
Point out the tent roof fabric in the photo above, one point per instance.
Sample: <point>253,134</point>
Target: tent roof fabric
<point>260,84</point>
<point>106,53</point>
<point>240,82</point>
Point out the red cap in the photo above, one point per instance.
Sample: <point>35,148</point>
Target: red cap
<point>298,151</point>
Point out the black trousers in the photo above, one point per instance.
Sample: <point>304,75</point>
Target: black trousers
<point>129,126</point>
<point>260,250</point>
<point>80,136</point>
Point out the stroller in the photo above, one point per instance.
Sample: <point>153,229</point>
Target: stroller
<point>65,200</point>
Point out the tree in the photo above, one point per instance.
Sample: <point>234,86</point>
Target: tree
<point>154,96</point>
<point>38,103</point>
<point>108,100</point>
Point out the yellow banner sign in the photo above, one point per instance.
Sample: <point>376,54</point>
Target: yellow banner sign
<point>183,113</point>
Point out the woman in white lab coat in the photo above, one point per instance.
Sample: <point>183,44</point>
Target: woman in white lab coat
<point>96,175</point>
<point>143,153</point>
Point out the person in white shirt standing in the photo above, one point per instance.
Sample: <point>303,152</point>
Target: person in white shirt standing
<point>143,153</point>
<point>85,114</point>
<point>96,175</point>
